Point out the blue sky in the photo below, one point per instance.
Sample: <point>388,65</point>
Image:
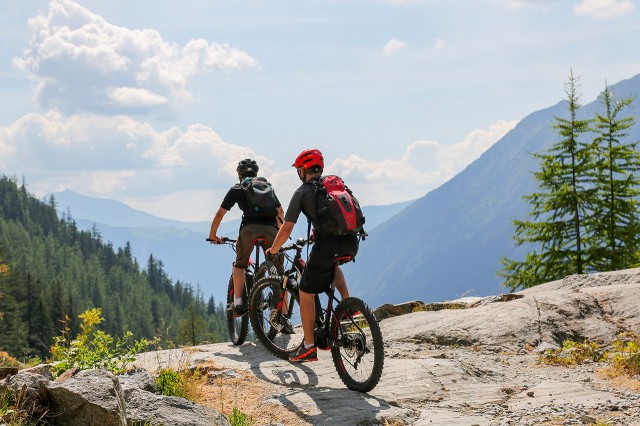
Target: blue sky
<point>154,102</point>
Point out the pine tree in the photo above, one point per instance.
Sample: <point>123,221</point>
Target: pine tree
<point>617,168</point>
<point>4,271</point>
<point>555,230</point>
<point>58,270</point>
<point>211,306</point>
<point>192,327</point>
<point>13,328</point>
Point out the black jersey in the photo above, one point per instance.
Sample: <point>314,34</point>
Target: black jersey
<point>236,195</point>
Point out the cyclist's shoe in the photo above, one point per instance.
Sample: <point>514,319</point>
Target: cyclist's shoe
<point>304,355</point>
<point>287,328</point>
<point>237,310</point>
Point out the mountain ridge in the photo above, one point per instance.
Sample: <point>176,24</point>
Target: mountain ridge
<point>450,241</point>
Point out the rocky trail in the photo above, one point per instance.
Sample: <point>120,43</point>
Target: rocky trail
<point>476,362</point>
<point>472,361</point>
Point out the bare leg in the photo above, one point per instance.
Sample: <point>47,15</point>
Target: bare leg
<point>238,282</point>
<point>308,316</point>
<point>341,284</point>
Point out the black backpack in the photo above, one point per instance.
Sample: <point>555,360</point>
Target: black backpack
<point>261,198</point>
<point>338,212</point>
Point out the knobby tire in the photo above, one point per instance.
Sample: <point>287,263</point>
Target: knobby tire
<point>360,360</point>
<point>239,326</point>
<point>269,311</point>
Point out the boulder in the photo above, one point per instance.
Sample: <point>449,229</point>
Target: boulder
<point>97,397</point>
<point>388,310</point>
<point>89,397</point>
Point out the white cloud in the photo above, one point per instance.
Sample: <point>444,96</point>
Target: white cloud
<point>81,62</point>
<point>115,156</point>
<point>604,9</point>
<point>393,46</point>
<point>131,97</point>
<point>165,172</point>
<point>423,166</point>
<point>439,44</point>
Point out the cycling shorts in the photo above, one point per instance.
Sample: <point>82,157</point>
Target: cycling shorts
<point>244,246</point>
<point>318,275</point>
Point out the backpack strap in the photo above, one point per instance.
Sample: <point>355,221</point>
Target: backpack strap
<point>315,183</point>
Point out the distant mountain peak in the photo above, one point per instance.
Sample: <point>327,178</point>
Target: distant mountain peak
<point>115,213</point>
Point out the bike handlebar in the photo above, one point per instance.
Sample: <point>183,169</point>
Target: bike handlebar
<point>298,245</point>
<point>225,240</point>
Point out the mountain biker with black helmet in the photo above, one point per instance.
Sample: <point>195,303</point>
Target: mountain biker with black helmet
<point>320,267</point>
<point>251,228</point>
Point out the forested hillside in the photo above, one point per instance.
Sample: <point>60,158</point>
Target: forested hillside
<point>56,271</point>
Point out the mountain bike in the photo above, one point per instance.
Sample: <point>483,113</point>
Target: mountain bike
<point>350,330</point>
<point>239,325</point>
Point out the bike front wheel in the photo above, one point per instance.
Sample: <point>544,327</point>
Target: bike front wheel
<point>275,316</point>
<point>266,269</point>
<point>357,349</point>
<point>238,325</point>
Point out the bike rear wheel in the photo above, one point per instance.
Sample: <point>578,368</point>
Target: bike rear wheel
<point>358,352</point>
<point>275,317</point>
<point>238,326</point>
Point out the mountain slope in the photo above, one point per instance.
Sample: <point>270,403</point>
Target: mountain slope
<point>115,213</point>
<point>449,242</point>
<point>179,245</point>
<point>57,271</point>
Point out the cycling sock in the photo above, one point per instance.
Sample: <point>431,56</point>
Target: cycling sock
<point>237,301</point>
<point>309,346</point>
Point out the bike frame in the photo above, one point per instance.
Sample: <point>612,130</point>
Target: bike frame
<point>348,329</point>
<point>323,316</point>
<point>252,268</point>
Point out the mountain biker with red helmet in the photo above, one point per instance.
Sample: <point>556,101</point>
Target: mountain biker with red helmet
<point>251,228</point>
<point>320,267</point>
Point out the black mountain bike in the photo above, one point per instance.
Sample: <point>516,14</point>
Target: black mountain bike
<point>239,325</point>
<point>350,330</point>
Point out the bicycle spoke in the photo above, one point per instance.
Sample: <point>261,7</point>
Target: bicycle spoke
<point>280,332</point>
<point>359,355</point>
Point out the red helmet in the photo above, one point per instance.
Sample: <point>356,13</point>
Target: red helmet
<point>309,158</point>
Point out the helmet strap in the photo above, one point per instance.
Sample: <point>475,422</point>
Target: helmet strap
<point>302,174</point>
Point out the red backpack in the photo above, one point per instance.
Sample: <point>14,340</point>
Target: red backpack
<point>338,212</point>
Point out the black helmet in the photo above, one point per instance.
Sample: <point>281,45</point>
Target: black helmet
<point>247,167</point>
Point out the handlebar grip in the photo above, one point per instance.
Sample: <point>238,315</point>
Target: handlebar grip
<point>224,240</point>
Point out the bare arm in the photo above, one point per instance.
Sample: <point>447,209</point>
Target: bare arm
<point>215,224</point>
<point>280,218</point>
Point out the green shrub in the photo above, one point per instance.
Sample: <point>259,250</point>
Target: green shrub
<point>626,358</point>
<point>171,383</point>
<point>573,353</point>
<point>176,378</point>
<point>238,418</point>
<point>93,349</point>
